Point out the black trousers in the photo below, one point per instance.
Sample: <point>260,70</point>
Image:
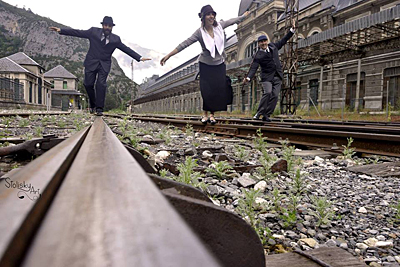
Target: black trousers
<point>96,97</point>
<point>270,95</point>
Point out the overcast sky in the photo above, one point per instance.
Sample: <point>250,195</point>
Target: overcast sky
<point>158,25</point>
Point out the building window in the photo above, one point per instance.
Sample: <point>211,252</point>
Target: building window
<point>351,90</point>
<point>391,76</point>
<point>30,91</point>
<point>52,84</point>
<point>65,85</point>
<point>314,86</point>
<point>251,49</point>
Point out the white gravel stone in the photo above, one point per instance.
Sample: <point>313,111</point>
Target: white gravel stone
<point>384,244</point>
<point>262,185</point>
<point>362,210</point>
<point>361,246</point>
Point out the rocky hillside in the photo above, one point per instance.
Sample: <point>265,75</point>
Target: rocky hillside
<point>22,30</point>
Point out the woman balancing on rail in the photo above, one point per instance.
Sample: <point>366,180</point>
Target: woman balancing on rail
<point>213,81</point>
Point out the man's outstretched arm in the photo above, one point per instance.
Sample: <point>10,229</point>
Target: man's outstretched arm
<point>72,32</point>
<point>131,53</point>
<point>287,36</point>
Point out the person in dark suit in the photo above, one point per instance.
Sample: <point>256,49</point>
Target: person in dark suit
<point>271,73</point>
<point>98,59</point>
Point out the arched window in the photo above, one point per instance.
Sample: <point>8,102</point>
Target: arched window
<point>251,49</point>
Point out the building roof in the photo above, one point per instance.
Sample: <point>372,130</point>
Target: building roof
<point>59,72</point>
<point>342,4</point>
<point>22,59</point>
<point>303,4</point>
<point>8,65</point>
<point>244,5</point>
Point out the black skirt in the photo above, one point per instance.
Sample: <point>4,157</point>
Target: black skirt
<point>213,87</point>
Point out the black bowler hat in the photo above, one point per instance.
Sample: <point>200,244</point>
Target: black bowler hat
<point>205,10</point>
<point>108,21</point>
<point>262,37</point>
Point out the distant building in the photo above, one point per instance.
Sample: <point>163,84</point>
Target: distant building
<point>64,87</point>
<point>22,82</point>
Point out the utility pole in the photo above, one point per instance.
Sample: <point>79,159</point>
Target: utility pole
<point>133,89</point>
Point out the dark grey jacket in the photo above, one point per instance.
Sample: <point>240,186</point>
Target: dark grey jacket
<point>97,51</point>
<point>269,61</point>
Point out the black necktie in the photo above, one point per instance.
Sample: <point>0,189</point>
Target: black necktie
<point>103,42</point>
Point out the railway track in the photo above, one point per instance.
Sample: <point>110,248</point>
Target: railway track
<point>369,138</point>
<point>88,202</point>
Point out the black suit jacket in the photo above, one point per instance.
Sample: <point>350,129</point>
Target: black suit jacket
<point>97,51</point>
<point>269,61</point>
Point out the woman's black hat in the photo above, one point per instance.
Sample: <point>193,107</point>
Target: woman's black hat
<point>205,10</point>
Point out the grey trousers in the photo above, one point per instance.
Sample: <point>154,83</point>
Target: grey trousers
<point>269,98</point>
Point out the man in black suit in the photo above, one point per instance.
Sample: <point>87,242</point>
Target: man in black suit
<point>271,73</point>
<point>98,59</point>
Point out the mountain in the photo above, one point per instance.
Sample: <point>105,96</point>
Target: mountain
<point>22,30</point>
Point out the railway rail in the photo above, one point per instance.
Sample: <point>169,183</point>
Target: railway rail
<point>369,138</point>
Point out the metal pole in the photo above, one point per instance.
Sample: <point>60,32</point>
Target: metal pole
<point>133,89</point>
<point>387,99</point>
<point>357,103</point>
<point>343,100</point>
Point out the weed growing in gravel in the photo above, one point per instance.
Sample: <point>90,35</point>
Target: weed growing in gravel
<point>78,124</point>
<point>133,140</point>
<point>189,130</point>
<point>247,206</point>
<point>242,153</point>
<point>6,121</point>
<point>27,136</point>
<point>276,200</point>
<point>39,131</point>
<point>371,160</point>
<point>299,185</point>
<point>163,173</point>
<point>289,215</point>
<point>166,136</point>
<point>260,142</point>
<point>348,152</point>
<point>219,168</point>
<point>61,124</point>
<point>396,208</point>
<point>287,152</point>
<point>323,210</point>
<point>23,122</point>
<point>187,174</point>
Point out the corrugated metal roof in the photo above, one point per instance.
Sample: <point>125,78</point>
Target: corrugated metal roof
<point>352,26</point>
<point>22,59</point>
<point>59,72</point>
<point>8,65</point>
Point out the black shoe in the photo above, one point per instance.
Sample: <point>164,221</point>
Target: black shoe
<point>266,119</point>
<point>91,110</point>
<point>99,112</point>
<point>204,120</point>
<point>257,116</point>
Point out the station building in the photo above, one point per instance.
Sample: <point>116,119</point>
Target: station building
<point>347,56</point>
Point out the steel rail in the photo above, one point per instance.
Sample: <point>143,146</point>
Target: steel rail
<point>27,114</point>
<point>277,120</point>
<point>371,143</point>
